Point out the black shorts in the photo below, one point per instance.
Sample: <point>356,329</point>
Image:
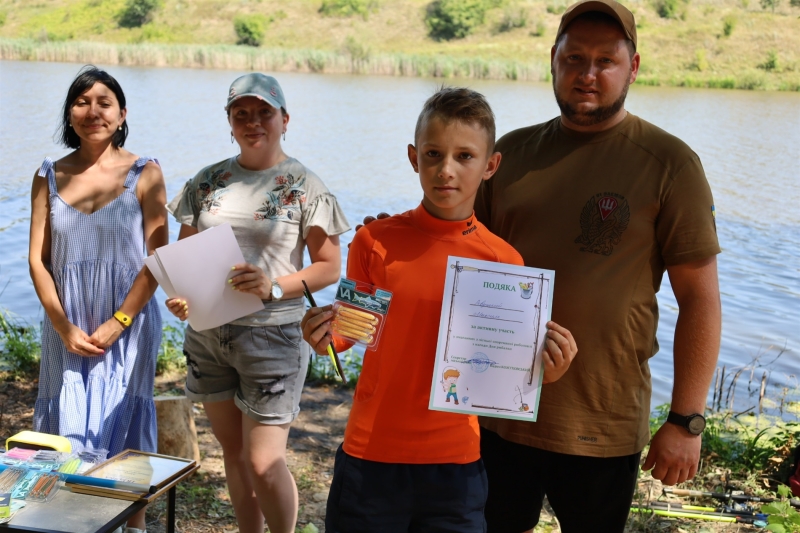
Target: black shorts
<point>371,497</point>
<point>588,494</point>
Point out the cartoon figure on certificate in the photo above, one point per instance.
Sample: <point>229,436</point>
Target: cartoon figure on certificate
<point>518,400</point>
<point>449,378</point>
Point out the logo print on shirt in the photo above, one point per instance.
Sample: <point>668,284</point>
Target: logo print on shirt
<point>603,219</point>
<point>607,205</point>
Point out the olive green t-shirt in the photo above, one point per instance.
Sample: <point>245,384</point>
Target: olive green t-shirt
<point>608,212</point>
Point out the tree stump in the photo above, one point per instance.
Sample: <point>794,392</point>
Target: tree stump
<point>177,435</point>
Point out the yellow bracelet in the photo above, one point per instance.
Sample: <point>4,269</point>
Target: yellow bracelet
<point>123,319</point>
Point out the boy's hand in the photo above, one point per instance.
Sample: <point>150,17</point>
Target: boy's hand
<point>178,307</point>
<point>316,325</point>
<point>559,351</point>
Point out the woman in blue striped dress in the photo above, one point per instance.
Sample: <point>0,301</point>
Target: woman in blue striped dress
<point>96,214</point>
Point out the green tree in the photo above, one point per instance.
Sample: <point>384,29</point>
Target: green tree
<point>250,29</point>
<point>138,12</point>
<point>728,24</point>
<point>455,19</point>
<point>347,8</point>
<point>770,4</point>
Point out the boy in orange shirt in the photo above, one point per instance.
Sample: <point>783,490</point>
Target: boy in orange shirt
<point>402,467</point>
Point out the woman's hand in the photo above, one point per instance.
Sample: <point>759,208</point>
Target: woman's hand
<point>108,332</point>
<point>78,342</point>
<point>251,280</point>
<point>178,307</point>
<point>316,325</point>
<point>559,351</point>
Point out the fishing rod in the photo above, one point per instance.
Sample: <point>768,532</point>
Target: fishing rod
<point>759,520</point>
<point>744,510</point>
<point>727,496</point>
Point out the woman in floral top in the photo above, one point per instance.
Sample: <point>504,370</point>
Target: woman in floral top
<point>249,373</point>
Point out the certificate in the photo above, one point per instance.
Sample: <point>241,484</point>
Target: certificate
<point>491,337</point>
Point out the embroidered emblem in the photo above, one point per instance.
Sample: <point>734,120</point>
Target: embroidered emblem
<point>284,201</point>
<point>211,190</point>
<point>232,93</point>
<point>603,219</point>
<point>273,92</point>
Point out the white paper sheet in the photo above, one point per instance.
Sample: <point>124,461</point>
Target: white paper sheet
<point>197,269</point>
<point>491,336</point>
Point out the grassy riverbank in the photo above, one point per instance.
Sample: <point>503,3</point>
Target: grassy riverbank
<point>700,43</point>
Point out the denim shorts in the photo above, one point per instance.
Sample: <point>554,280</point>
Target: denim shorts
<point>262,368</point>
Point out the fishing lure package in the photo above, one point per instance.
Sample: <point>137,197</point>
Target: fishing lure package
<point>360,311</point>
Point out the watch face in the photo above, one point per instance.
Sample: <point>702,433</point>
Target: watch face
<point>696,425</point>
<point>277,292</point>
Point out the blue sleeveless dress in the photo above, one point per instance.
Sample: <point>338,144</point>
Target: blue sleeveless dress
<point>106,401</point>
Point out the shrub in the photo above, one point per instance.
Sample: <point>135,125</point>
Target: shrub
<point>556,7</point>
<point>700,60</point>
<point>669,9</point>
<point>794,3</point>
<point>20,347</point>
<point>455,19</point>
<point>347,8</point>
<point>772,61</point>
<point>728,24</point>
<point>170,352</point>
<point>770,4</point>
<point>250,29</point>
<point>3,16</point>
<point>513,19</point>
<point>538,29</point>
<point>138,12</point>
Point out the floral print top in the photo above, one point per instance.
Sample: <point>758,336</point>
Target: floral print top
<point>271,212</point>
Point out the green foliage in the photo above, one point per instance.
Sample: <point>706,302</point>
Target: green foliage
<point>770,4</point>
<point>251,29</point>
<point>771,63</point>
<point>794,3</point>
<point>3,16</point>
<point>513,18</point>
<point>20,346</point>
<point>700,61</point>
<point>455,19</point>
<point>538,29</point>
<point>170,352</point>
<point>320,368</point>
<point>138,12</point>
<point>728,24</point>
<point>783,518</point>
<point>347,8</point>
<point>556,7</point>
<point>670,9</point>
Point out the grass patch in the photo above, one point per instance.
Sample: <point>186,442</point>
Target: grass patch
<point>20,346</point>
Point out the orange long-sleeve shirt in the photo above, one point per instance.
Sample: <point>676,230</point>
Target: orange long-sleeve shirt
<point>407,254</point>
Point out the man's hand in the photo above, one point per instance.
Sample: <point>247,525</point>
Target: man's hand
<point>368,220</point>
<point>674,454</point>
<point>316,325</point>
<point>559,351</point>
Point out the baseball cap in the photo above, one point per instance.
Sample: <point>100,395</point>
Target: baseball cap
<point>261,86</point>
<point>609,7</point>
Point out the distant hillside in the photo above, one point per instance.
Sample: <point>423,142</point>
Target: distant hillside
<point>716,43</point>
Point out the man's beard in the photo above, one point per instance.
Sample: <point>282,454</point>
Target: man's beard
<point>594,116</point>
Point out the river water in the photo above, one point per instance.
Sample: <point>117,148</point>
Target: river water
<point>353,132</point>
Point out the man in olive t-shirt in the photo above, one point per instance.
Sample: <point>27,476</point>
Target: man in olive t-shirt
<point>609,202</point>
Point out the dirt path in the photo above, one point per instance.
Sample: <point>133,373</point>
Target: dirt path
<point>203,505</point>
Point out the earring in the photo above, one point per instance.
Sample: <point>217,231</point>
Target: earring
<point>284,135</point>
<point>231,137</point>
<point>119,128</point>
<point>70,124</point>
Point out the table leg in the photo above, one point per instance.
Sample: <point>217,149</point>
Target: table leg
<point>171,510</point>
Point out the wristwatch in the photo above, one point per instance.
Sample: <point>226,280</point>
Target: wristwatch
<point>694,423</point>
<point>277,291</point>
